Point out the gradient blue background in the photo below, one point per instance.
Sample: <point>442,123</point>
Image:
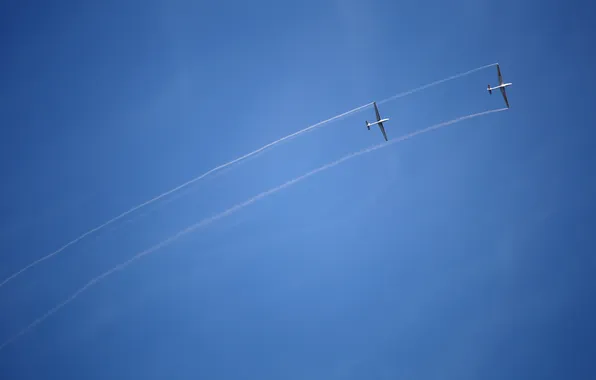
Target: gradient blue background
<point>466,253</point>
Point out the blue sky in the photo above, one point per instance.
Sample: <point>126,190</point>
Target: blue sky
<point>464,253</point>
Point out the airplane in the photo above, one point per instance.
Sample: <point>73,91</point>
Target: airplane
<point>501,86</point>
<point>379,122</point>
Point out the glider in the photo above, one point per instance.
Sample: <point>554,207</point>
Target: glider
<point>379,122</point>
<point>501,86</point>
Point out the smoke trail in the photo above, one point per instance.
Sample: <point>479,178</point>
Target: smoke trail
<point>435,83</point>
<point>187,183</point>
<point>232,210</point>
<point>152,200</point>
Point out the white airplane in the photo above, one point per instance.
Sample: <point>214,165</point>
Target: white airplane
<point>501,86</point>
<point>379,122</point>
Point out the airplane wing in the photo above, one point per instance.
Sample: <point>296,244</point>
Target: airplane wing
<point>504,96</point>
<point>383,130</point>
<point>499,73</point>
<point>377,112</point>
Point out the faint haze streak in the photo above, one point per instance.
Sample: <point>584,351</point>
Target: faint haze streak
<point>232,210</point>
<point>254,152</point>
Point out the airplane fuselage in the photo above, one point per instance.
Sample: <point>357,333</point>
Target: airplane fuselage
<point>500,86</point>
<point>377,122</point>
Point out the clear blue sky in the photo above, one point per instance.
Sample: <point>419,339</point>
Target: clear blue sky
<point>466,253</point>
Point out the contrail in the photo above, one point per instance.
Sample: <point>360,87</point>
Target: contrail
<point>406,93</point>
<point>187,183</point>
<point>254,152</point>
<point>232,210</point>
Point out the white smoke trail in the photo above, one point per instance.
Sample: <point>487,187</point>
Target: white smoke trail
<point>410,92</point>
<point>187,183</point>
<point>152,200</point>
<point>232,210</point>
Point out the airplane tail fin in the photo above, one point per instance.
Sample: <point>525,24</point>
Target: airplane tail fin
<point>367,125</point>
<point>490,91</point>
